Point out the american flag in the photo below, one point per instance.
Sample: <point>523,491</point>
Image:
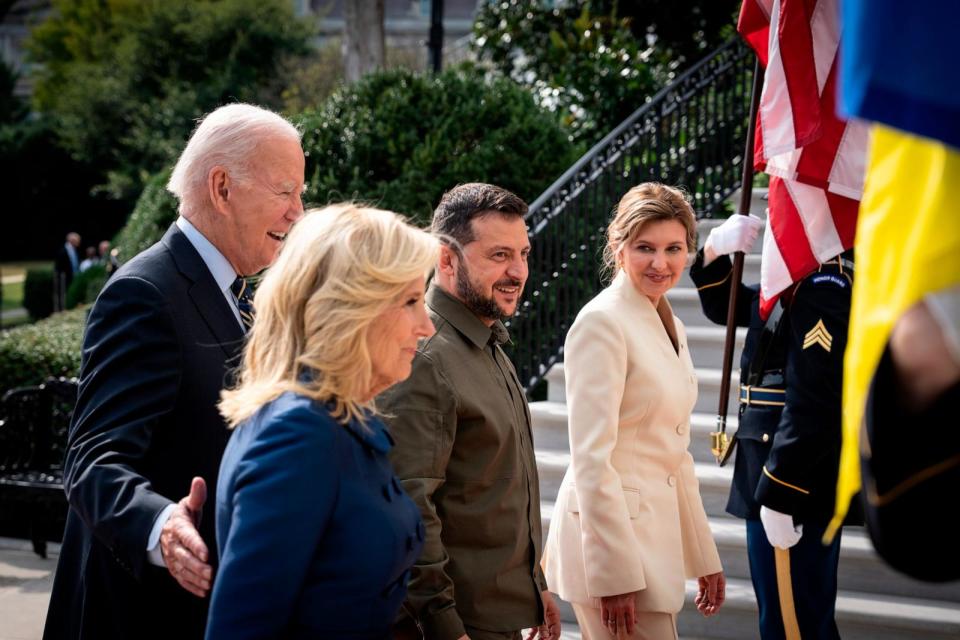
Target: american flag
<point>816,161</point>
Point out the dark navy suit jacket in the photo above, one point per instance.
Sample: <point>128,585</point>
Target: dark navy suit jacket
<point>316,537</point>
<point>155,354</point>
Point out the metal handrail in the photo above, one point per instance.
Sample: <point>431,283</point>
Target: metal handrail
<point>690,134</point>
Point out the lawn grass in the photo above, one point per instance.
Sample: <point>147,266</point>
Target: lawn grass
<point>12,295</point>
<point>8,269</point>
<point>13,274</point>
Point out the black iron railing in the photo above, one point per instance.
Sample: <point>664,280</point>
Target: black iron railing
<point>689,134</point>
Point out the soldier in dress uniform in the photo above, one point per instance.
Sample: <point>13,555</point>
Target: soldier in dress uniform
<point>788,440</point>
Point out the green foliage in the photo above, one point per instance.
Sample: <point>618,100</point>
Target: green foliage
<point>12,108</point>
<point>399,140</point>
<point>125,79</point>
<point>38,293</point>
<point>585,66</point>
<point>594,62</point>
<point>309,81</point>
<point>86,285</point>
<point>155,211</point>
<point>32,353</point>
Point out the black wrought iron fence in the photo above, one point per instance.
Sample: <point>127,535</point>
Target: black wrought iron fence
<point>690,134</point>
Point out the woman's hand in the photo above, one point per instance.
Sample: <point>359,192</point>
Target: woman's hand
<point>619,612</point>
<point>711,594</point>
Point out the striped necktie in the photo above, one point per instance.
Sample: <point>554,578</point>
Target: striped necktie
<point>244,295</point>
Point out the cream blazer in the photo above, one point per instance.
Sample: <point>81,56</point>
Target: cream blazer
<point>629,515</point>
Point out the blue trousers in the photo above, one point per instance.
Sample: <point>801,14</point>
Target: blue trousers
<point>811,572</point>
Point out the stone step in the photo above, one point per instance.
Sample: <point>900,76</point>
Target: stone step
<point>550,428</point>
<point>686,306</point>
<point>708,391</point>
<point>706,345</point>
<point>685,303</point>
<point>551,415</point>
<point>860,567</point>
<point>751,269</point>
<point>714,480</point>
<point>859,615</point>
<point>866,586</point>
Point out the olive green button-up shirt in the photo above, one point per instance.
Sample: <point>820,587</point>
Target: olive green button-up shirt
<point>464,452</point>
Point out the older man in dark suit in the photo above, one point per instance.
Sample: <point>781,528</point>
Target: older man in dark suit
<point>135,563</point>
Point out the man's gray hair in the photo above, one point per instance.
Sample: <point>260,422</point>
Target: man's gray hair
<point>228,137</point>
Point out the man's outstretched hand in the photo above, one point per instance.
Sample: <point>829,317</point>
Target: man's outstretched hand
<point>184,551</point>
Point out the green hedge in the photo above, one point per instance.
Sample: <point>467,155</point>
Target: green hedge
<point>155,211</point>
<point>86,286</point>
<point>38,292</point>
<point>50,347</point>
<point>399,140</point>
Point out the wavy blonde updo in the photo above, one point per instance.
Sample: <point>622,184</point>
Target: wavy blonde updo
<point>340,267</point>
<point>643,204</point>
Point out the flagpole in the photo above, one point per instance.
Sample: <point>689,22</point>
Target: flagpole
<point>721,443</point>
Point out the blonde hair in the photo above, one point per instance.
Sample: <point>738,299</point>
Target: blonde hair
<point>340,268</point>
<point>643,204</point>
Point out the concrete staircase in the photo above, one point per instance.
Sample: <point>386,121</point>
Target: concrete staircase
<point>874,603</point>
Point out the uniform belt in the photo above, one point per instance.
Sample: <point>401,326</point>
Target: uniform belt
<point>761,396</point>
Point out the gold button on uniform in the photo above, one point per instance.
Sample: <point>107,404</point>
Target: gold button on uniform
<point>766,437</point>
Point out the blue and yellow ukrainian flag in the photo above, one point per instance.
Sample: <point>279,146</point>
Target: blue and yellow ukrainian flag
<point>899,69</point>
<point>907,245</point>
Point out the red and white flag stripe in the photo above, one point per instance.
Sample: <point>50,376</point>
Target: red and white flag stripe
<point>815,160</point>
<point>799,237</point>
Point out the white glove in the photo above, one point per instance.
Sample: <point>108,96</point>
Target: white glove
<point>779,528</point>
<point>738,233</point>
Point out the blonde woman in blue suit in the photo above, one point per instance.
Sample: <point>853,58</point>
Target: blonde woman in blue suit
<point>629,526</point>
<point>315,535</point>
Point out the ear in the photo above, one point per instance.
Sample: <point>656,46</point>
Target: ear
<point>218,188</point>
<point>617,255</point>
<point>448,261</point>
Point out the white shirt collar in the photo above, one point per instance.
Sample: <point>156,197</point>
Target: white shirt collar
<point>219,267</point>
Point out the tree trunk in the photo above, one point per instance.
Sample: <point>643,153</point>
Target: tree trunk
<point>363,37</point>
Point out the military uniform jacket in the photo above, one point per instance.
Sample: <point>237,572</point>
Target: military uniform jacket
<point>788,452</point>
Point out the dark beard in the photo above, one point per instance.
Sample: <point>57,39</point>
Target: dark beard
<point>484,307</point>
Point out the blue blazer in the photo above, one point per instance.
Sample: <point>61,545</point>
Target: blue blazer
<point>315,536</point>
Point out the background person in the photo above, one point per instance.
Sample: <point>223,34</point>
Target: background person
<point>315,536</point>
<point>89,260</point>
<point>629,525</point>
<point>66,265</point>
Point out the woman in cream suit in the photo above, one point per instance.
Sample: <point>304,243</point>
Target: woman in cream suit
<point>629,525</point>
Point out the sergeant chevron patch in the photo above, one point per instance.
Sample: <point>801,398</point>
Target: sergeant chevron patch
<point>818,335</point>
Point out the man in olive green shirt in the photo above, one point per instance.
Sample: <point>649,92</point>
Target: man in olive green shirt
<point>464,447</point>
